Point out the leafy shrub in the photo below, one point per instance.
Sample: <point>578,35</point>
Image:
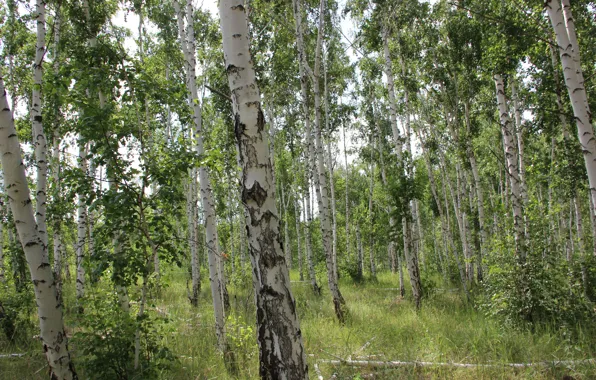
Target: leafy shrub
<point>106,343</point>
<point>349,267</point>
<point>16,309</point>
<point>534,292</point>
<point>241,340</point>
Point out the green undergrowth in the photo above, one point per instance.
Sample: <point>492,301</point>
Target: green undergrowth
<point>380,327</point>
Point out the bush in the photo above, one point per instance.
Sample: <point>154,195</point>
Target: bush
<point>534,292</point>
<point>16,309</point>
<point>105,345</point>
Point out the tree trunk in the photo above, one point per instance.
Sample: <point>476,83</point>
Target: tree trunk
<point>360,258</point>
<point>311,266</point>
<point>316,152</point>
<point>571,62</point>
<point>287,247</point>
<point>39,137</point>
<point>479,195</point>
<point>282,353</point>
<point>81,227</point>
<point>49,309</point>
<point>206,194</point>
<point>371,254</point>
<point>333,208</point>
<point>512,168</point>
<point>298,237</point>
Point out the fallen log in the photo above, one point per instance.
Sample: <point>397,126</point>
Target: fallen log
<point>395,364</point>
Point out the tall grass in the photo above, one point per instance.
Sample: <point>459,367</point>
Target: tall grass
<point>381,326</point>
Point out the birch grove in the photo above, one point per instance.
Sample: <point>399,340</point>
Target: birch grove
<point>178,178</point>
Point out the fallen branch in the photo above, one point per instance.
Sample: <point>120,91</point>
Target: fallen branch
<point>318,371</point>
<point>11,355</point>
<point>395,364</point>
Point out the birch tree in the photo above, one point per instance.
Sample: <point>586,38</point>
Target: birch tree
<point>281,350</point>
<point>49,309</point>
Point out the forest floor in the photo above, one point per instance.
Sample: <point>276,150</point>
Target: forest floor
<point>381,327</point>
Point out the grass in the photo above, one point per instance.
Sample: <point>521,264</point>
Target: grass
<point>380,326</point>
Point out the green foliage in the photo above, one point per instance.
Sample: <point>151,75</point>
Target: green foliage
<point>241,339</point>
<point>537,291</point>
<point>349,268</point>
<point>105,343</point>
<point>16,309</point>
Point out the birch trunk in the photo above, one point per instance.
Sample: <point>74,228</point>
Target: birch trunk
<point>39,137</point>
<point>191,212</point>
<point>512,168</point>
<point>287,248</point>
<point>479,196</point>
<point>298,237</point>
<point>572,73</point>
<point>331,178</point>
<point>81,228</point>
<point>519,132</point>
<point>311,266</point>
<point>391,89</point>
<point>316,152</point>
<point>360,258</point>
<point>49,309</point>
<point>282,353</point>
<point>206,194</point>
<point>333,208</point>
<point>347,194</point>
<point>57,225</point>
<point>373,270</point>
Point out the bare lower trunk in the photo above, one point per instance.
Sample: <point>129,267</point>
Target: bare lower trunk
<point>360,258</point>
<point>279,337</point>
<point>298,237</point>
<point>57,225</point>
<point>81,227</point>
<point>316,152</point>
<point>287,248</point>
<point>216,279</point>
<point>311,266</point>
<point>511,158</point>
<point>49,309</point>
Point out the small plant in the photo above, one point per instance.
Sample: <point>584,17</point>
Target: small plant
<point>241,340</point>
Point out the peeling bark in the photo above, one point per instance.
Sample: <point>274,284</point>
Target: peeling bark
<point>281,351</point>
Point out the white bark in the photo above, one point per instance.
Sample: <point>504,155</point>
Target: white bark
<point>479,195</point>
<point>206,194</point>
<point>512,167</point>
<point>81,226</point>
<point>570,60</point>
<point>308,236</point>
<point>282,353</point>
<point>57,225</point>
<point>371,254</point>
<point>391,89</point>
<point>316,152</point>
<point>191,214</point>
<point>287,248</point>
<point>331,177</point>
<point>360,256</point>
<point>49,309</point>
<point>39,137</point>
<point>298,237</point>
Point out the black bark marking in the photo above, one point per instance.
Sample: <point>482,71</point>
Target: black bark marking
<point>37,118</point>
<point>255,193</point>
<point>239,128</point>
<point>260,120</point>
